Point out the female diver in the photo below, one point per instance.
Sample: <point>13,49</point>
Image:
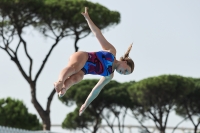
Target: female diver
<point>98,63</point>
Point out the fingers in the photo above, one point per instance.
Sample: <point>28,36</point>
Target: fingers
<point>80,113</point>
<point>81,110</point>
<point>84,13</point>
<point>62,92</point>
<point>86,9</point>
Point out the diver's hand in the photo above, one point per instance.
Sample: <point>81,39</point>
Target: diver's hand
<point>85,14</point>
<point>82,109</point>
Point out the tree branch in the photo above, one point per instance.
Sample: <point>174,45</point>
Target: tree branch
<point>155,119</point>
<point>107,121</point>
<point>85,35</point>
<point>189,115</point>
<point>26,52</point>
<point>135,116</point>
<point>166,119</point>
<point>50,100</point>
<point>123,119</point>
<point>179,124</point>
<point>15,59</point>
<point>46,58</point>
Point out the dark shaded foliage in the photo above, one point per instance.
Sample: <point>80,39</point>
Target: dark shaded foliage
<point>156,97</point>
<point>13,113</point>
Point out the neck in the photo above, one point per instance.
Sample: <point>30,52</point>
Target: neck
<point>115,64</point>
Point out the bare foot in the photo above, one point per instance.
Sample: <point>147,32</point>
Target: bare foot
<point>58,86</point>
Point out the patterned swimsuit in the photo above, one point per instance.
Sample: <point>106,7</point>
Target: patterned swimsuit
<point>99,63</point>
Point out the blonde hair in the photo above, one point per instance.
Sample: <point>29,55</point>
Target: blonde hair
<point>128,59</point>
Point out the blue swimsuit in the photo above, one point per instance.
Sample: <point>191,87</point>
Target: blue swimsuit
<point>99,63</point>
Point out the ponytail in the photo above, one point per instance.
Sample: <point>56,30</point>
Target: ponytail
<point>128,59</point>
<point>126,55</point>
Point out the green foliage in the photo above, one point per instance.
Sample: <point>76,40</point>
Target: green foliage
<point>74,121</point>
<point>111,94</point>
<point>65,14</point>
<point>19,12</point>
<point>190,104</point>
<point>56,14</point>
<point>78,93</point>
<point>13,113</point>
<point>162,90</point>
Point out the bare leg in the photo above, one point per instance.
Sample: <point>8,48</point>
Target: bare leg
<point>64,74</point>
<point>74,79</point>
<point>76,63</point>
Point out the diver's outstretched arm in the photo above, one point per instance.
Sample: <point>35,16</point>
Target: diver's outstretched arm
<point>95,92</point>
<point>97,32</point>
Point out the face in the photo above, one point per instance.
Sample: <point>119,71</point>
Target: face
<point>123,68</point>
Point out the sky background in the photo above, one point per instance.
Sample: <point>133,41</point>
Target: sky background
<point>165,36</point>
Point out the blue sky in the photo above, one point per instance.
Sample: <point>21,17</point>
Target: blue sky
<point>165,36</point>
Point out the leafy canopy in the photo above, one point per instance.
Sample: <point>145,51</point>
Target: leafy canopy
<point>14,113</point>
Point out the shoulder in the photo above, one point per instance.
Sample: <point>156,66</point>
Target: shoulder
<point>112,51</point>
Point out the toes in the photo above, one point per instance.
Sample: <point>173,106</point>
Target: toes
<point>62,92</point>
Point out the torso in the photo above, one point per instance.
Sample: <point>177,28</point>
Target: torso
<point>99,63</point>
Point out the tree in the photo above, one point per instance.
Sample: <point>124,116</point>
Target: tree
<point>189,106</point>
<point>74,122</point>
<point>67,14</point>
<point>108,103</point>
<point>156,97</point>
<point>117,97</point>
<point>55,19</point>
<point>14,113</point>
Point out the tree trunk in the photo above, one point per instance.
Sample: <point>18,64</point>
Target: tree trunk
<point>46,122</point>
<point>162,130</point>
<point>96,126</point>
<point>75,42</point>
<point>44,114</point>
<point>195,129</point>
